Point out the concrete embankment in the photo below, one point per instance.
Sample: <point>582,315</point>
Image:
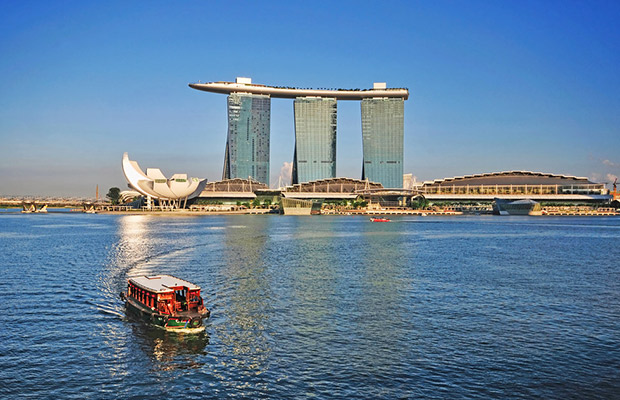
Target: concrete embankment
<point>186,212</point>
<point>266,211</point>
<point>581,213</point>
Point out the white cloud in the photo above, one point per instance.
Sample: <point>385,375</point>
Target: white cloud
<point>596,177</point>
<point>610,163</point>
<point>611,177</point>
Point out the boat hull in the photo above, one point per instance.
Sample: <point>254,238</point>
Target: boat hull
<point>187,321</point>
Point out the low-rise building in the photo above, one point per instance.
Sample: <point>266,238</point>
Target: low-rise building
<point>515,185</point>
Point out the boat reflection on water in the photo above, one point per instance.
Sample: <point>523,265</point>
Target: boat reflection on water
<point>170,350</point>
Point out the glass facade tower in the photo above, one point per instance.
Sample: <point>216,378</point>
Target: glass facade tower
<point>382,140</point>
<point>247,143</point>
<point>315,139</point>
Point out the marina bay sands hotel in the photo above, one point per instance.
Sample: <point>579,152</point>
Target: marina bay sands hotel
<point>249,113</point>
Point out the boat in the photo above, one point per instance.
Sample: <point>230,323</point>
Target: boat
<point>380,220</point>
<point>166,301</point>
<point>516,207</point>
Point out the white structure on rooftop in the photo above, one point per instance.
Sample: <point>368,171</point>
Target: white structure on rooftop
<point>170,192</point>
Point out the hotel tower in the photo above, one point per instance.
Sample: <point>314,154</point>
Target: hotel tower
<point>314,156</point>
<point>315,139</point>
<point>382,141</point>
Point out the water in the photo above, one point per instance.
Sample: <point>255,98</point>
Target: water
<point>314,307</point>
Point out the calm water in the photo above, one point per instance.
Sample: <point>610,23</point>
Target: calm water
<point>303,307</point>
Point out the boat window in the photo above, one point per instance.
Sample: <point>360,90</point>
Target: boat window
<point>194,297</point>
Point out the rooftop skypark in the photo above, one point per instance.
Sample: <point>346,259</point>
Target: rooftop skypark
<point>245,85</point>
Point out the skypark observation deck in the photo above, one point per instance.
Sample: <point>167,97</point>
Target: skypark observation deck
<point>293,93</point>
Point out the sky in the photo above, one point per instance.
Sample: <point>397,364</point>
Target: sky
<point>494,85</point>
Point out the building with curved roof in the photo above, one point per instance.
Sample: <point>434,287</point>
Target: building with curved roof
<point>232,189</point>
<point>334,188</point>
<point>235,191</point>
<point>153,184</point>
<point>515,185</point>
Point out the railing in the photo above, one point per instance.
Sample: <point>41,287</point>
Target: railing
<point>116,208</point>
<point>514,189</point>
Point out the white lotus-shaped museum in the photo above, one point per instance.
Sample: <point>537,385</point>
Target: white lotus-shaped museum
<point>155,185</point>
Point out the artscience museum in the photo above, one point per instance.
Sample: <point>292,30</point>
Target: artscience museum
<point>173,192</point>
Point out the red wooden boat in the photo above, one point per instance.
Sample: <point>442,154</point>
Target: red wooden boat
<point>380,220</point>
<point>166,301</point>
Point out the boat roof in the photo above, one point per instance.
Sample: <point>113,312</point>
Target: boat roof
<point>162,283</point>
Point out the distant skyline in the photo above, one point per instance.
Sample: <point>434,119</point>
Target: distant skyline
<point>494,86</point>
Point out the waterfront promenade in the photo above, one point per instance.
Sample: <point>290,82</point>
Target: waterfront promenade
<point>567,211</point>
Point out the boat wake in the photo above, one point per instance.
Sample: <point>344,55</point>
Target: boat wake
<point>109,311</point>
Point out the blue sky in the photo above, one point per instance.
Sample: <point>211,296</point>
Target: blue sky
<point>494,86</point>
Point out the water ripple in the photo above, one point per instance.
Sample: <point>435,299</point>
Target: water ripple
<point>328,307</point>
